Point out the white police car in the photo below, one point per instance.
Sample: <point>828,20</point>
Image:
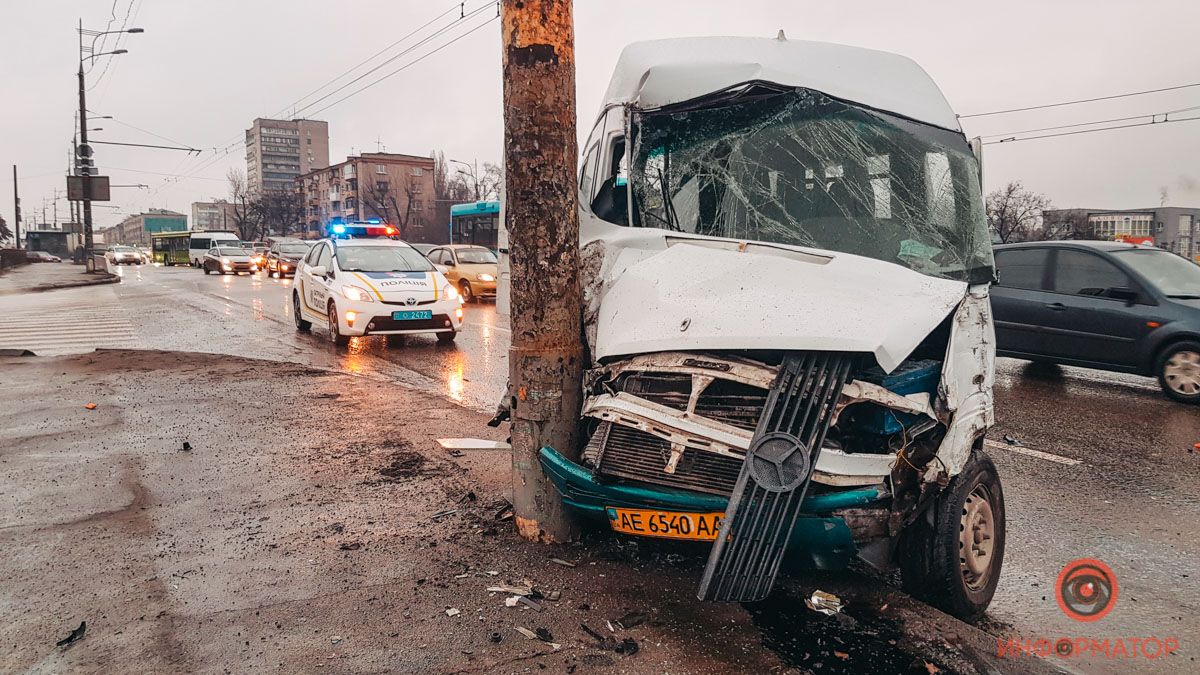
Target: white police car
<point>365,286</point>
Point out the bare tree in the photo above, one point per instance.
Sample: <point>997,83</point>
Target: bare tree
<point>392,204</point>
<point>5,232</point>
<point>247,212</point>
<point>280,213</point>
<point>479,185</point>
<point>1014,213</point>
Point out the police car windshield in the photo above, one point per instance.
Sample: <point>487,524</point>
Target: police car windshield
<point>381,259</point>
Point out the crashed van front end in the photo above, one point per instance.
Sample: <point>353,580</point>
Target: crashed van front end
<point>785,272</point>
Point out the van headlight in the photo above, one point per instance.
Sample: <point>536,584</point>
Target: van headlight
<point>356,294</point>
<point>485,277</point>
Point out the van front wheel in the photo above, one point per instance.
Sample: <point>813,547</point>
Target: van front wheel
<point>952,555</point>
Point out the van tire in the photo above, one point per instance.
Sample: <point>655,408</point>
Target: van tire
<point>1185,351</point>
<point>932,563</point>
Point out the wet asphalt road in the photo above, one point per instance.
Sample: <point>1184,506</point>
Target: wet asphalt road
<point>1112,474</point>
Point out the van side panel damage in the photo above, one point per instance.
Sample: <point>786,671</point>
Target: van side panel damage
<point>967,379</point>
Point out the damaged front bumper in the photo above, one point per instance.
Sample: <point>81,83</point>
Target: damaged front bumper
<point>821,534</point>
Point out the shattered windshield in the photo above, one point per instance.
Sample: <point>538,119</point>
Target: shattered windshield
<point>798,167</point>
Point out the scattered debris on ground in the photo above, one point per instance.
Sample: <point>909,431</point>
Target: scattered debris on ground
<point>560,561</point>
<point>825,603</point>
<point>90,406</point>
<point>405,464</point>
<point>75,635</point>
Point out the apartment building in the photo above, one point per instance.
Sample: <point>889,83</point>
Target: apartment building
<point>279,150</point>
<point>395,188</point>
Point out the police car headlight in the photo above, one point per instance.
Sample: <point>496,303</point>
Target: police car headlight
<point>356,294</point>
<point>450,292</point>
<point>485,277</point>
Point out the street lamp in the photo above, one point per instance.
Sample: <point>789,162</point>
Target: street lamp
<point>85,167</point>
<point>473,173</point>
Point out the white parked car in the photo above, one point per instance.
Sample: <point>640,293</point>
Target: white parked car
<point>374,287</point>
<point>124,255</point>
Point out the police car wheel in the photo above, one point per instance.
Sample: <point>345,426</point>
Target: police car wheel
<point>335,335</point>
<point>448,337</point>
<point>301,325</point>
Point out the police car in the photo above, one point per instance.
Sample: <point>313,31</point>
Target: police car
<point>359,281</point>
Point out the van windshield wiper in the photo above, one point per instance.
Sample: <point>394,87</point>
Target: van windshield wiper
<point>1184,296</point>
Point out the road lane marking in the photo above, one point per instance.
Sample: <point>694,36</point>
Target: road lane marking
<point>1030,452</point>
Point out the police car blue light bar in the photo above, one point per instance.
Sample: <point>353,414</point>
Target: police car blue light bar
<point>370,228</point>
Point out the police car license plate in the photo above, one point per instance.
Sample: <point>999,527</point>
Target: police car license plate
<point>413,315</point>
<point>665,524</point>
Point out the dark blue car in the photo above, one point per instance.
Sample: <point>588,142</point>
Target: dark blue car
<point>1101,304</point>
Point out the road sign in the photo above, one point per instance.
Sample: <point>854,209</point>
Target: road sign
<point>88,188</point>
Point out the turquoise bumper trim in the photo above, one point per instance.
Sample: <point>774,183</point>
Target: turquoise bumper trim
<point>580,490</point>
<point>827,541</point>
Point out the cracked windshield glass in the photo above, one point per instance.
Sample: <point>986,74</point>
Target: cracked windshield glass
<point>798,167</point>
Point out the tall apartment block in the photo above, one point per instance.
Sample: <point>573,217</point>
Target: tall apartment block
<point>279,150</point>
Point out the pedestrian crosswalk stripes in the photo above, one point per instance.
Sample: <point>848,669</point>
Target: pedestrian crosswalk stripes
<point>55,323</point>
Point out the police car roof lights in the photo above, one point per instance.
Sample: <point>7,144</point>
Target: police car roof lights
<point>361,229</point>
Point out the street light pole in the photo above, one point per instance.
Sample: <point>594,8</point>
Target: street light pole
<point>84,168</point>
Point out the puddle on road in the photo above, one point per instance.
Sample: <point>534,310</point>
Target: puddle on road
<point>814,642</point>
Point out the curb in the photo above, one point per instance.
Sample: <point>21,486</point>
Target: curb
<point>106,279</point>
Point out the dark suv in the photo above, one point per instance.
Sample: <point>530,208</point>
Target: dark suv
<point>1101,304</point>
<point>284,255</point>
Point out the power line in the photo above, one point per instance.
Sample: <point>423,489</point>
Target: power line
<point>1082,100</point>
<point>396,56</point>
<point>120,36</point>
<point>238,138</point>
<point>347,71</point>
<point>221,153</point>
<point>1090,131</point>
<point>407,65</point>
<point>1152,116</point>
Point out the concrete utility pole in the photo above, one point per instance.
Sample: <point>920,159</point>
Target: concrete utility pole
<point>540,153</point>
<point>16,212</point>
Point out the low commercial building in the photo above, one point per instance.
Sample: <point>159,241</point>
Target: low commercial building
<point>1174,228</point>
<point>62,241</point>
<point>136,229</point>
<point>395,188</point>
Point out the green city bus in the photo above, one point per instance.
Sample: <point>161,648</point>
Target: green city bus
<point>170,248</point>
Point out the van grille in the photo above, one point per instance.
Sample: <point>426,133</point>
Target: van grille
<point>636,455</point>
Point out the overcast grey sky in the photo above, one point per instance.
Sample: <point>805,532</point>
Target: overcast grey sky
<point>204,70</point>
